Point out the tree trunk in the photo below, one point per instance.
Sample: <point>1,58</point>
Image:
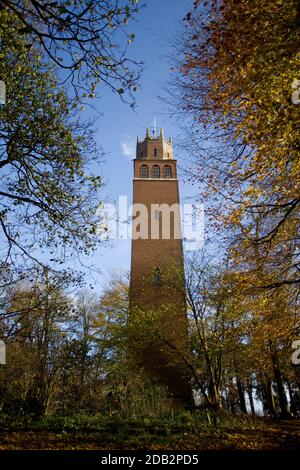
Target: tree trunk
<point>283,403</point>
<point>240,388</point>
<point>227,395</point>
<point>231,397</point>
<point>270,398</point>
<point>215,395</point>
<point>250,395</point>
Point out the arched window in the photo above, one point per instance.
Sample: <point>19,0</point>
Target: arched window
<point>144,171</point>
<point>155,171</point>
<point>167,171</point>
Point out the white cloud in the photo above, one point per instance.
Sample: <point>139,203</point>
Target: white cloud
<point>127,146</point>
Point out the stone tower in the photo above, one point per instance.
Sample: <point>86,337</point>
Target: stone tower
<point>156,254</point>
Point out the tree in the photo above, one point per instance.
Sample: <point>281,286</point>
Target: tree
<point>235,83</point>
<point>83,358</point>
<point>48,199</point>
<point>69,354</point>
<point>81,38</point>
<point>216,329</point>
<point>272,315</point>
<point>211,348</point>
<point>34,335</point>
<point>61,349</point>
<point>122,335</point>
<point>110,328</point>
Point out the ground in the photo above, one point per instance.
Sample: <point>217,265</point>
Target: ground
<point>267,435</point>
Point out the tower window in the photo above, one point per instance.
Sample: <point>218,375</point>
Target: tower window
<point>142,155</point>
<point>155,171</point>
<point>157,277</point>
<point>155,152</point>
<point>144,171</point>
<point>167,171</point>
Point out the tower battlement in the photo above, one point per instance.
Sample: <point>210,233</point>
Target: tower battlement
<point>154,147</point>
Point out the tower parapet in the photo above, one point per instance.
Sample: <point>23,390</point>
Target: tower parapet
<point>154,147</point>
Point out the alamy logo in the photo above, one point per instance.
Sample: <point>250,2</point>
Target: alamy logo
<point>296,94</point>
<point>2,92</point>
<point>2,352</point>
<point>296,353</point>
<point>159,221</point>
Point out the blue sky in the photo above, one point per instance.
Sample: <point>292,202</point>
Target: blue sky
<point>119,125</point>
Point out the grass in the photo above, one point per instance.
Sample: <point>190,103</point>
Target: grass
<point>172,431</point>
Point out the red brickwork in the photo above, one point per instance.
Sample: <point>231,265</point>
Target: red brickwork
<point>149,255</point>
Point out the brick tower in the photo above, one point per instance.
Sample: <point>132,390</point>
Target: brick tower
<point>156,254</point>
